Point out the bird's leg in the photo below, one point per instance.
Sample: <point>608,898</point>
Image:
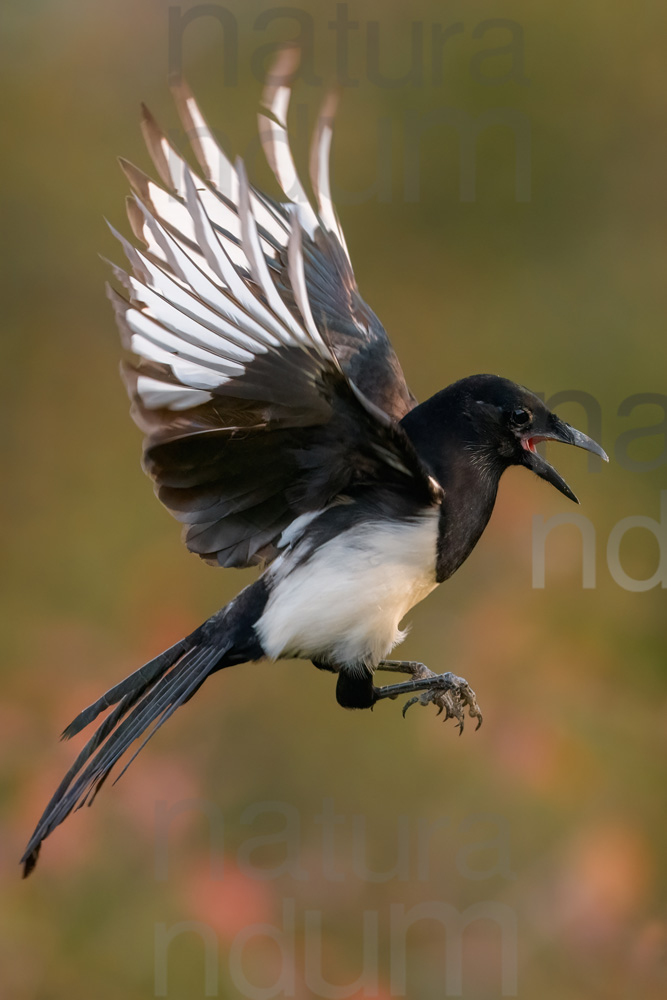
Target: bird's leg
<point>412,667</point>
<point>450,693</point>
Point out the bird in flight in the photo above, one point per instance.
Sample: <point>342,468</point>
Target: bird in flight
<point>279,429</point>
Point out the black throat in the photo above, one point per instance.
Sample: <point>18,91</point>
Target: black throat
<point>468,471</point>
<point>470,493</point>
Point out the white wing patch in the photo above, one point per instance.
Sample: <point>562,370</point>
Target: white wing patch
<point>204,301</point>
<point>156,395</point>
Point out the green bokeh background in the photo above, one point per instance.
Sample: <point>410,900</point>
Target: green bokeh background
<point>565,782</point>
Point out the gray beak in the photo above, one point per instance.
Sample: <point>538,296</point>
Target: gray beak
<point>558,430</point>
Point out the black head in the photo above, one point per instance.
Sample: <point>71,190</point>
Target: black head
<point>499,423</point>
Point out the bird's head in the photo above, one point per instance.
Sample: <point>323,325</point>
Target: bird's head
<point>503,422</point>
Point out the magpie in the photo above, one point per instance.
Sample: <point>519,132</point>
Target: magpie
<point>279,429</point>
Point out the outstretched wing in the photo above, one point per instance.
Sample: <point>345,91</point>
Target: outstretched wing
<point>265,386</point>
<point>354,332</point>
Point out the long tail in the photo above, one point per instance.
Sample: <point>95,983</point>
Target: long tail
<point>144,701</point>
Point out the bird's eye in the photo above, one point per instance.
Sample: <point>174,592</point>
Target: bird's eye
<point>520,417</point>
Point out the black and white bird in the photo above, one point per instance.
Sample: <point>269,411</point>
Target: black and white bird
<point>281,432</point>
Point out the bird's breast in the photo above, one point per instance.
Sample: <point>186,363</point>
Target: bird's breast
<point>343,603</point>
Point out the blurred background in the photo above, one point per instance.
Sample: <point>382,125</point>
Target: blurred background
<point>262,802</point>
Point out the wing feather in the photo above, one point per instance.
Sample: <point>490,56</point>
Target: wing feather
<point>264,384</point>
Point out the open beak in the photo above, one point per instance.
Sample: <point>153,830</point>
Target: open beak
<point>557,430</point>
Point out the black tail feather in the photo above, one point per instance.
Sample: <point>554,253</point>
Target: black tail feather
<point>138,682</point>
<point>144,699</point>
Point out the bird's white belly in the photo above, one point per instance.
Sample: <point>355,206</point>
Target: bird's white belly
<point>344,604</point>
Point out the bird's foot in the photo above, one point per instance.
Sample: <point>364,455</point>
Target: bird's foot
<point>452,695</point>
<point>449,693</point>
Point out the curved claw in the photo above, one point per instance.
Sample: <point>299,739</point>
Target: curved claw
<point>409,703</point>
<point>448,704</point>
<point>460,719</point>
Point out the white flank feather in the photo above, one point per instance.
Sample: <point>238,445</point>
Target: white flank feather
<point>345,603</point>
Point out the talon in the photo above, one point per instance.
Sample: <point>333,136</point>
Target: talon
<point>408,704</point>
<point>446,701</point>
